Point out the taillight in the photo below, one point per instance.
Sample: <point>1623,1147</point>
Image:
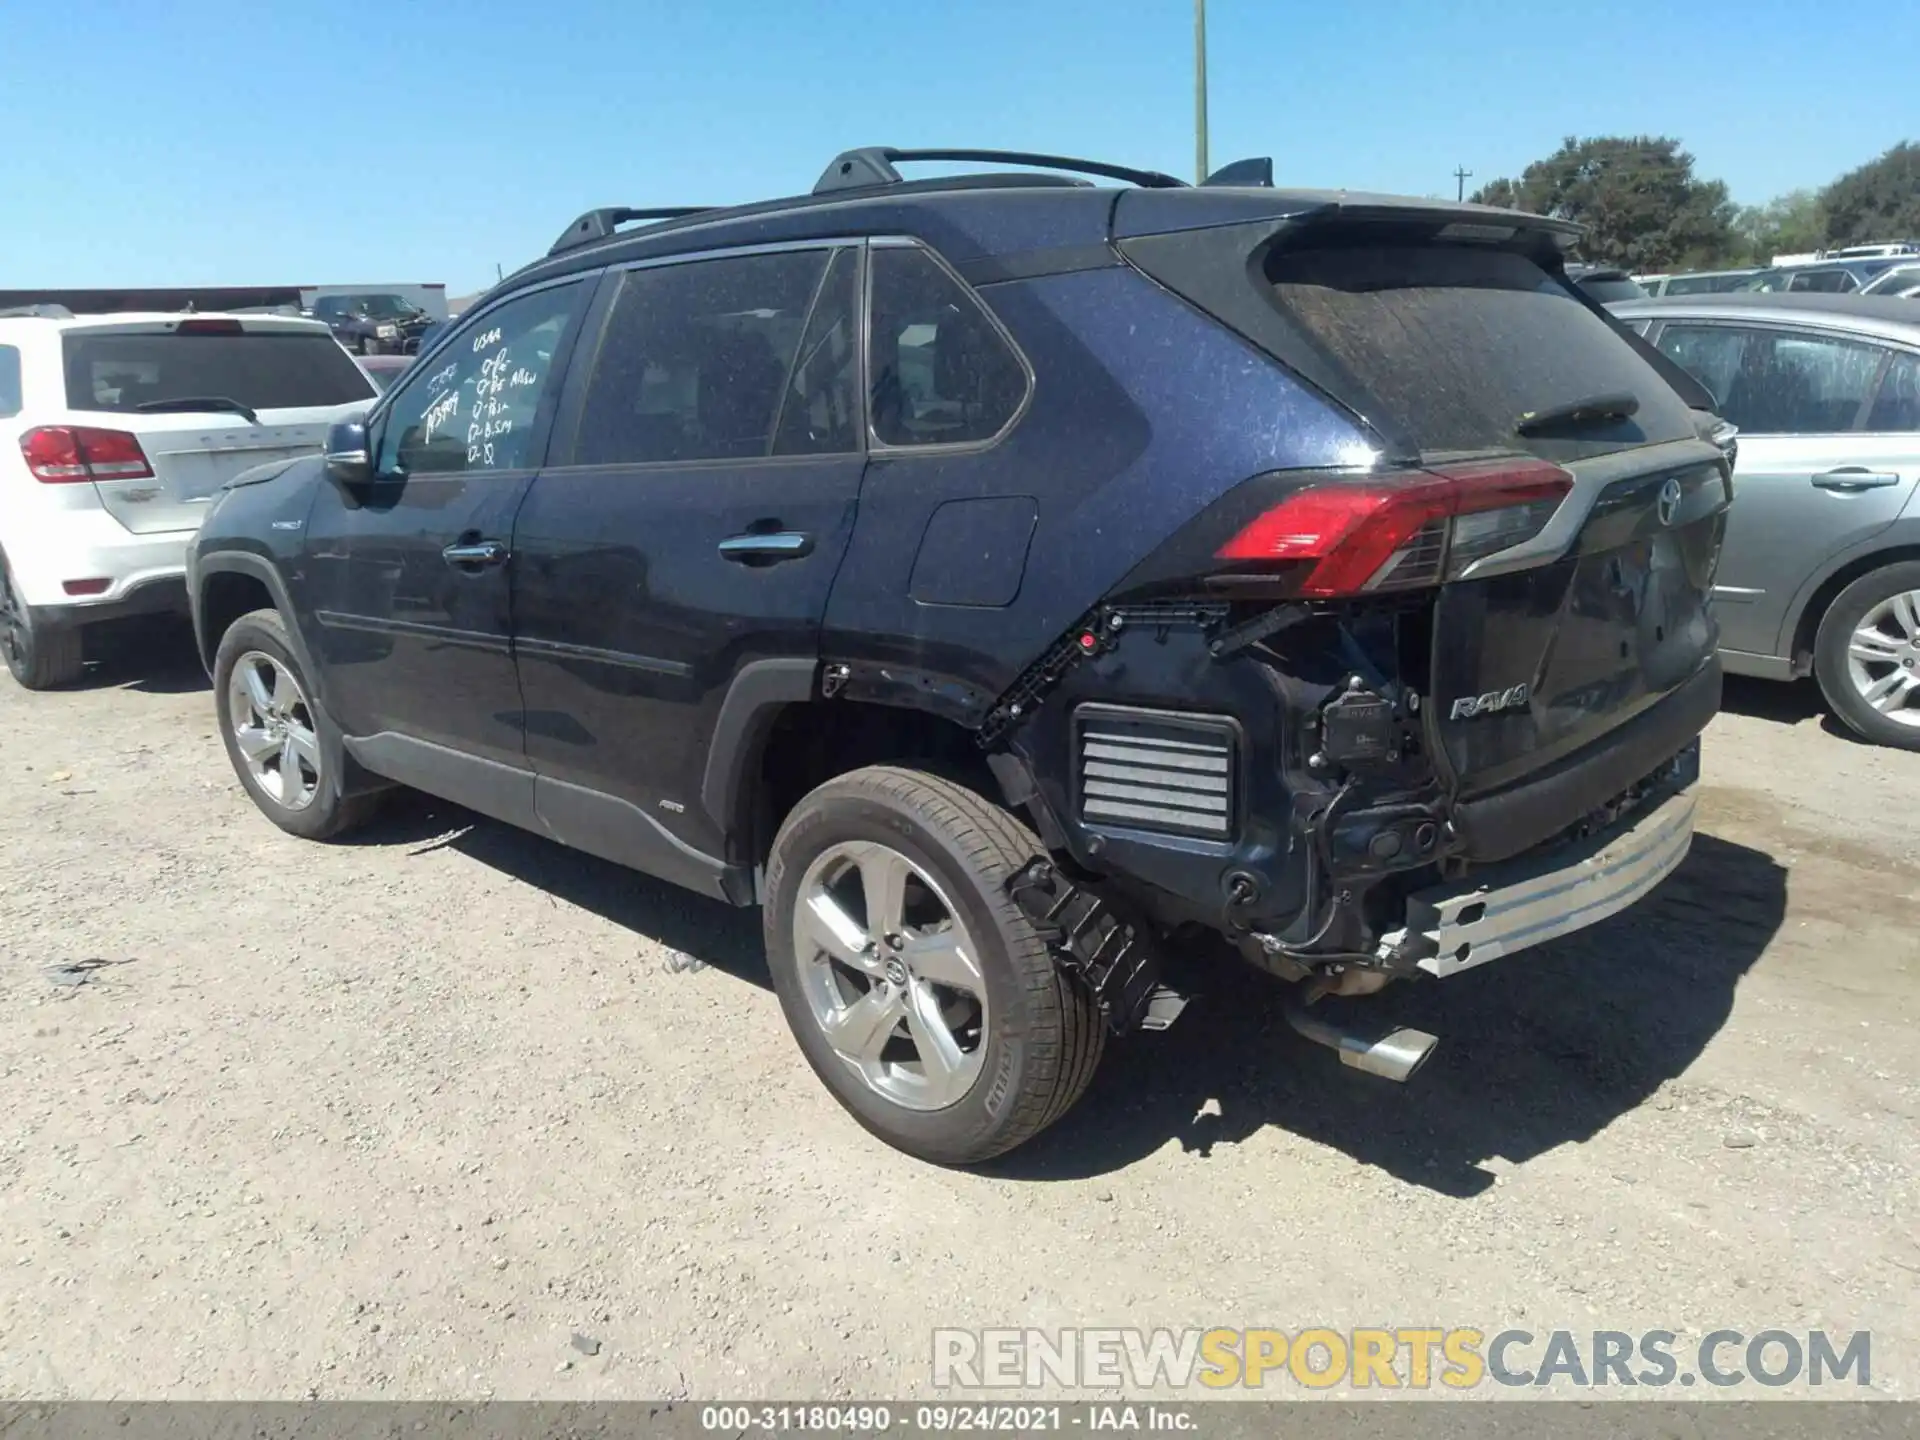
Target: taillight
<point>1352,537</point>
<point>209,327</point>
<point>65,454</point>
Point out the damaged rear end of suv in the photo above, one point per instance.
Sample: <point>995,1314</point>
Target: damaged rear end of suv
<point>1418,709</point>
<point>1011,584</point>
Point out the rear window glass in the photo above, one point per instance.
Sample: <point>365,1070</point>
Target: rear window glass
<point>1457,344</point>
<point>263,371</point>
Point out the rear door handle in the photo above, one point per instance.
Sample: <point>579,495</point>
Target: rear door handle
<point>781,545</point>
<point>1854,477</point>
<point>475,553</point>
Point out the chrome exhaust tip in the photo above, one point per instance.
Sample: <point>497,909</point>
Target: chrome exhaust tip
<point>1394,1056</point>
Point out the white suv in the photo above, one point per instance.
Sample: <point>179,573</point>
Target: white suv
<point>115,433</point>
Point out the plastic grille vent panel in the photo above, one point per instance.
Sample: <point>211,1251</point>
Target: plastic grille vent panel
<point>1155,770</point>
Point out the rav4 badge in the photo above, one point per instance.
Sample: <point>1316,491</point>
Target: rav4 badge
<point>1468,706</point>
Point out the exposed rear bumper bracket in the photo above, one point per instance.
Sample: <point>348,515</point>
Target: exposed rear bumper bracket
<point>1116,960</point>
<point>1521,903</point>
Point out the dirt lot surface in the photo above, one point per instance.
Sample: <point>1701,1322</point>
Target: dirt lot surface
<point>402,1117</point>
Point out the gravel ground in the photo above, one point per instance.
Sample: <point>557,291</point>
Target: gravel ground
<point>403,1117</point>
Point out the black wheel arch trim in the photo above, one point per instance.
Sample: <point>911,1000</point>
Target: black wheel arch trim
<point>760,690</point>
<point>242,562</point>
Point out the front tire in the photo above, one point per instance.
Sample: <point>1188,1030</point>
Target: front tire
<point>922,997</point>
<point>284,749</point>
<point>39,656</point>
<point>1867,655</point>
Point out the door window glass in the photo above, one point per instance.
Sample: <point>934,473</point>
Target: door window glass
<point>1897,407</point>
<point>942,372</point>
<point>1776,382</point>
<point>476,408</point>
<point>697,358</point>
<point>820,414</point>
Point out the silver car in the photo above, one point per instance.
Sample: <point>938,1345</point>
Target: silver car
<point>1820,572</point>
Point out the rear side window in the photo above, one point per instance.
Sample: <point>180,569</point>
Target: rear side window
<point>942,373</point>
<point>697,359</point>
<point>263,370</point>
<point>10,400</point>
<point>820,412</point>
<point>1775,382</point>
<point>1457,344</point>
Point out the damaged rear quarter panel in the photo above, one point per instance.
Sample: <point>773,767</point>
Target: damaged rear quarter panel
<point>1143,412</point>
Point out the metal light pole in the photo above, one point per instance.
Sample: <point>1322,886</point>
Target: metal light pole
<point>1199,90</point>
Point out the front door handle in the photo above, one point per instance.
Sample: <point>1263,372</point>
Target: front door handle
<point>1854,477</point>
<point>474,553</point>
<point>765,549</point>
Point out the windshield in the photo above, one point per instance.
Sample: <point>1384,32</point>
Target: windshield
<point>1895,282</point>
<point>383,307</point>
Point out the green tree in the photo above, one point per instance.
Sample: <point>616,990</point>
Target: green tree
<point>1643,207</point>
<point>1793,224</point>
<point>1879,201</point>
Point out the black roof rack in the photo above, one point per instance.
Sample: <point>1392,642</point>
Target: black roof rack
<point>874,165</point>
<point>598,224</point>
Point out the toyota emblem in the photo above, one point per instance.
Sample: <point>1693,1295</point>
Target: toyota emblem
<point>1669,504</point>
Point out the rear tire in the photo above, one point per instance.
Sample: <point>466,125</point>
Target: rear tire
<point>283,747</point>
<point>1026,1038</point>
<point>39,656</point>
<point>1866,655</point>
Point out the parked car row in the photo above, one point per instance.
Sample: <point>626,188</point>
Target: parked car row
<point>1885,272</point>
<point>860,556</point>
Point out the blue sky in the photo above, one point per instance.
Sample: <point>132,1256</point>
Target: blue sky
<point>205,141</point>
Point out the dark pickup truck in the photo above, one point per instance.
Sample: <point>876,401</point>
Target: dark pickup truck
<point>374,324</point>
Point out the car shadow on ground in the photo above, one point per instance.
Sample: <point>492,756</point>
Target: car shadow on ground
<point>1789,703</point>
<point>156,656</point>
<point>698,931</point>
<point>1535,1051</point>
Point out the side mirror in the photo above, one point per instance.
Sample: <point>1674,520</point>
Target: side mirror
<point>348,459</point>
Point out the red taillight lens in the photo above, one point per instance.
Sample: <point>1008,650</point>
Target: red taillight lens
<point>1397,534</point>
<point>65,454</point>
<point>209,327</point>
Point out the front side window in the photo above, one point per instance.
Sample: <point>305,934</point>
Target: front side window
<point>1776,382</point>
<point>700,361</point>
<point>475,408</point>
<point>941,371</point>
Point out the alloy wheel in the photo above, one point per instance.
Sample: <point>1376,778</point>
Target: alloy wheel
<point>891,975</point>
<point>1883,657</point>
<point>272,726</point>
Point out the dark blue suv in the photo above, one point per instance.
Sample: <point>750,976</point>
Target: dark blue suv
<point>1006,581</point>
